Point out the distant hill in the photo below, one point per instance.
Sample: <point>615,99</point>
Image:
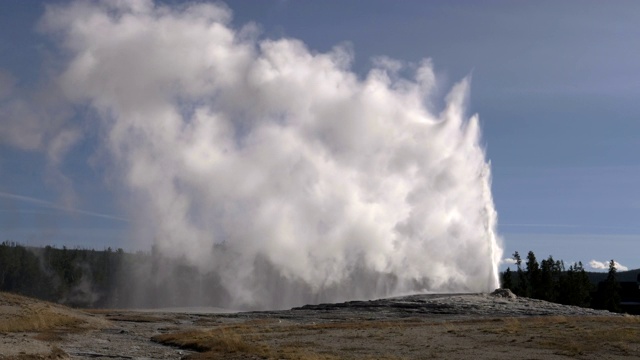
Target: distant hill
<point>622,276</point>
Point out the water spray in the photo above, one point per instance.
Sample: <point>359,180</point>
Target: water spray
<point>277,167</point>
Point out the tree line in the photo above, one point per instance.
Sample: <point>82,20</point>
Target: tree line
<point>115,278</point>
<point>550,280</point>
<point>74,277</point>
<point>105,278</point>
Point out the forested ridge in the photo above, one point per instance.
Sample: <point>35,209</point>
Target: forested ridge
<point>551,280</point>
<point>117,279</point>
<point>104,278</point>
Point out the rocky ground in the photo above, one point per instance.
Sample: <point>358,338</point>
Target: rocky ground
<point>447,326</point>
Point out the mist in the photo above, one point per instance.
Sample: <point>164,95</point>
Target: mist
<point>276,167</point>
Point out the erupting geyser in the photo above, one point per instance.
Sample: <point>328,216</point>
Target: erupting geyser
<point>277,167</point>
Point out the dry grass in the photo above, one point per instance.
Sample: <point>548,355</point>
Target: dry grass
<point>220,340</point>
<point>130,315</point>
<point>268,339</point>
<point>553,335</point>
<point>23,314</point>
<point>55,354</point>
<point>49,336</point>
<point>226,343</point>
<point>38,320</point>
<point>133,317</point>
<point>566,336</point>
<point>582,336</point>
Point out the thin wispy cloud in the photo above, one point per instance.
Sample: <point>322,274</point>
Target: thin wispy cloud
<point>568,226</point>
<point>540,225</point>
<point>50,205</point>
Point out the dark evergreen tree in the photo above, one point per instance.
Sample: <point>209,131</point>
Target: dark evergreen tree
<point>545,287</point>
<point>520,288</point>
<point>533,276</point>
<point>550,274</point>
<point>611,289</point>
<point>584,286</point>
<point>507,280</point>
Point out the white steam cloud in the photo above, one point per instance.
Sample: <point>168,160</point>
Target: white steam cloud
<point>236,152</point>
<point>604,265</point>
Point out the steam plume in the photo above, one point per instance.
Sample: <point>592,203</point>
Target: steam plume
<point>277,167</point>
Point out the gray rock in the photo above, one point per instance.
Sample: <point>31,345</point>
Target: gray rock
<point>503,293</point>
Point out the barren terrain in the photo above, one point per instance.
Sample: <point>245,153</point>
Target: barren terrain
<point>436,326</point>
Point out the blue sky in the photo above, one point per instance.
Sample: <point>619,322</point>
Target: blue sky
<point>556,86</point>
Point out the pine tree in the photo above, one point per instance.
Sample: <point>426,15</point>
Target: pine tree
<point>521,286</point>
<point>550,272</point>
<point>584,286</point>
<point>507,281</point>
<point>612,289</point>
<point>533,275</point>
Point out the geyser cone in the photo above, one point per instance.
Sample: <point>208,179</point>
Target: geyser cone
<point>275,167</point>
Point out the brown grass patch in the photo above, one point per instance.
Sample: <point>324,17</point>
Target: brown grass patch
<point>227,343</point>
<point>134,317</point>
<point>49,336</point>
<point>579,336</point>
<point>211,343</point>
<point>38,321</point>
<point>267,338</point>
<point>555,336</point>
<point>563,335</point>
<point>55,354</point>
<point>220,340</point>
<point>23,314</point>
